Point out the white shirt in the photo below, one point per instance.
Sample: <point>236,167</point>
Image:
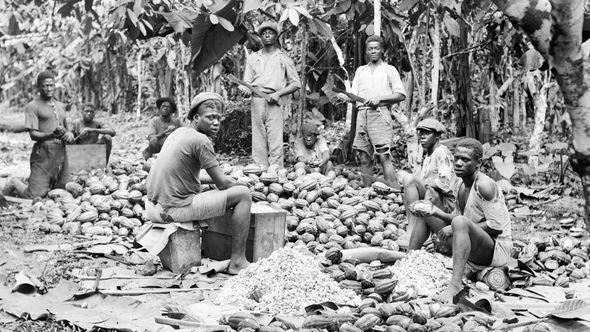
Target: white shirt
<point>377,80</point>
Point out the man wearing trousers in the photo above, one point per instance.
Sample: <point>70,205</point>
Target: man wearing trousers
<point>272,72</point>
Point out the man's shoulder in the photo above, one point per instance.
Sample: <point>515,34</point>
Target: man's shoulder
<point>486,187</point>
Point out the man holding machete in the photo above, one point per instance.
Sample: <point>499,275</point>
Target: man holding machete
<point>273,73</point>
<point>380,85</point>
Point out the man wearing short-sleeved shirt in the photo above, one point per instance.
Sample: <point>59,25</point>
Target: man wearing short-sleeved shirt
<point>174,182</point>
<point>380,85</point>
<point>45,119</point>
<point>272,72</point>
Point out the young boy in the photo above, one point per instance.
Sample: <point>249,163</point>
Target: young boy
<point>311,150</point>
<point>89,131</point>
<point>161,126</point>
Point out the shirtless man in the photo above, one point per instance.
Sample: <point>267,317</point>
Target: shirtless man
<point>478,231</point>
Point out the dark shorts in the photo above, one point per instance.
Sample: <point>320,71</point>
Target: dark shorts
<point>49,168</point>
<point>444,200</point>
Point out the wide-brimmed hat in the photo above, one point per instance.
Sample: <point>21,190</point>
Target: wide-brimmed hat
<point>431,124</point>
<point>268,25</point>
<point>200,98</point>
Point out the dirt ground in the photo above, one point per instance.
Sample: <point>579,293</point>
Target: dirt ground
<point>532,220</point>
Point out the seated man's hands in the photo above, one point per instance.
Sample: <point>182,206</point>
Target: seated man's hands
<point>445,233</point>
<point>85,131</point>
<point>68,137</point>
<point>423,208</point>
<point>246,93</point>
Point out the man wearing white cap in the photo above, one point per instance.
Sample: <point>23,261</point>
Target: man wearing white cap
<point>174,185</point>
<point>272,72</point>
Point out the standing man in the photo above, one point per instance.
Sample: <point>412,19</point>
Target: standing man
<point>161,126</point>
<point>380,85</point>
<point>174,182</point>
<point>45,119</point>
<point>89,131</point>
<point>272,72</point>
<point>478,231</point>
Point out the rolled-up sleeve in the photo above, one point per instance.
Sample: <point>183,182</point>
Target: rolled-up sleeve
<point>292,75</point>
<point>395,81</point>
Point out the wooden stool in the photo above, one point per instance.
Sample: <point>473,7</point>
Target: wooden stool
<point>183,250</point>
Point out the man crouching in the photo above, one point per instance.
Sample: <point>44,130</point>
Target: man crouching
<point>173,184</point>
<point>479,229</point>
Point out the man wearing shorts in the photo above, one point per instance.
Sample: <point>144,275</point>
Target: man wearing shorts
<point>436,180</point>
<point>478,231</point>
<point>174,182</point>
<point>380,85</point>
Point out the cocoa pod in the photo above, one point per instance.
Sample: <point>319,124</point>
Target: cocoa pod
<point>367,322</point>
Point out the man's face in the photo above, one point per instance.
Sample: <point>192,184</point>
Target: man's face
<point>269,37</point>
<point>309,139</point>
<point>427,138</point>
<point>209,120</point>
<point>46,88</point>
<point>465,164</point>
<point>88,114</point>
<point>165,109</point>
<point>374,51</point>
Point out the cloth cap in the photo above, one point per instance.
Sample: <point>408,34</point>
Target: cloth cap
<point>268,25</point>
<point>200,98</point>
<point>310,128</point>
<point>431,124</point>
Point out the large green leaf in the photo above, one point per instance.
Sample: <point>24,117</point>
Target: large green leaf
<point>210,42</point>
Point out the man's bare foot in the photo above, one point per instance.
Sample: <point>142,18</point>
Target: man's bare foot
<point>449,293</point>
<point>237,266</point>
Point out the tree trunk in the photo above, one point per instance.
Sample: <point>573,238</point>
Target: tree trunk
<point>540,102</point>
<point>555,28</point>
<point>466,127</point>
<point>302,99</point>
<point>435,62</point>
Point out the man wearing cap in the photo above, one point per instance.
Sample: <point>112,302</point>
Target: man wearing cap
<point>272,72</point>
<point>380,85</point>
<point>436,180</point>
<point>161,126</point>
<point>311,150</point>
<point>174,182</point>
<point>45,119</point>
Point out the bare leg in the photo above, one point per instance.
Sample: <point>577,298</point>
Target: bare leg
<point>366,168</point>
<point>328,166</point>
<point>15,187</point>
<point>108,142</point>
<point>386,164</point>
<point>422,229</point>
<point>470,242</point>
<point>240,198</point>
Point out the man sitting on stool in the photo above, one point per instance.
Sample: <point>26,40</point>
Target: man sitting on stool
<point>174,186</point>
<point>478,231</point>
<point>89,131</point>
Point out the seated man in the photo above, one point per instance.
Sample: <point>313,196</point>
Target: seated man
<point>174,187</point>
<point>478,231</point>
<point>161,126</point>
<point>311,150</point>
<point>89,131</point>
<point>436,180</point>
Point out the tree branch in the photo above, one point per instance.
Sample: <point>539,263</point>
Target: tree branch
<point>467,50</point>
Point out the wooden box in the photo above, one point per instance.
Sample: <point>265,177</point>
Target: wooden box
<point>183,250</point>
<point>86,157</point>
<point>267,234</point>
